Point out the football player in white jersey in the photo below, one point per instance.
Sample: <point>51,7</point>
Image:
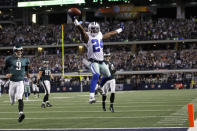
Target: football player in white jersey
<point>27,91</point>
<point>94,44</point>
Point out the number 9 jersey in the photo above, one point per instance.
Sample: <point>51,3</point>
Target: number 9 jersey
<point>16,67</point>
<point>95,47</point>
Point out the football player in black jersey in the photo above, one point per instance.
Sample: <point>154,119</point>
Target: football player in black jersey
<point>109,83</point>
<point>44,76</point>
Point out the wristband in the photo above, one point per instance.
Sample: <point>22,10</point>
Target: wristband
<point>76,22</point>
<point>119,30</point>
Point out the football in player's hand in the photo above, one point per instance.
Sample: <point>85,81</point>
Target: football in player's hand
<point>74,12</point>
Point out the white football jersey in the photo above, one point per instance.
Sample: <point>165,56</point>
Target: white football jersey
<point>27,82</point>
<point>95,47</point>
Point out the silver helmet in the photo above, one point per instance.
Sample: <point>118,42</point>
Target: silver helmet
<point>94,28</point>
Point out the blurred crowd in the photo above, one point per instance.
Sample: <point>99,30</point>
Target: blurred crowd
<point>159,29</point>
<point>127,61</point>
<point>123,61</point>
<point>154,60</point>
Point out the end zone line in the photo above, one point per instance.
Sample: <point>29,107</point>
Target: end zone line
<point>92,111</point>
<point>64,118</point>
<point>102,129</point>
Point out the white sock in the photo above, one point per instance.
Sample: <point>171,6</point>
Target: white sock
<point>21,112</point>
<point>91,95</point>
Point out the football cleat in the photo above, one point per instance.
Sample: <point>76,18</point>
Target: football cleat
<point>92,100</point>
<point>43,105</point>
<point>21,117</point>
<point>48,105</point>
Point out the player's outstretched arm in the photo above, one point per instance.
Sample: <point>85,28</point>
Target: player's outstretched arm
<point>82,31</point>
<point>110,34</point>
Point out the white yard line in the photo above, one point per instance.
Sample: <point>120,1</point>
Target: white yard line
<point>93,106</point>
<point>179,117</point>
<point>65,118</point>
<point>60,97</point>
<point>90,111</point>
<point>138,128</point>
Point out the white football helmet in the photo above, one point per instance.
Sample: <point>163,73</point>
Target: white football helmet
<point>45,63</point>
<point>94,28</point>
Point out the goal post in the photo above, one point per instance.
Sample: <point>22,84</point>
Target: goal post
<point>79,74</point>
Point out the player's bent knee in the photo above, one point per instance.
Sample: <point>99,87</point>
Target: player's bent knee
<point>95,77</point>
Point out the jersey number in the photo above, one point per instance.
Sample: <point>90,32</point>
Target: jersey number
<point>98,46</point>
<point>47,72</point>
<point>18,65</point>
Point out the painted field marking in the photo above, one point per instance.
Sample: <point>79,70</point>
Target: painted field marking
<point>180,116</point>
<point>85,106</point>
<point>65,118</point>
<point>60,97</point>
<point>137,128</point>
<point>120,111</point>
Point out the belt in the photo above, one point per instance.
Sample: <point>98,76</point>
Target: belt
<point>92,60</point>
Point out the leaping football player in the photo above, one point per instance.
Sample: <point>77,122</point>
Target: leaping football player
<point>94,44</point>
<point>16,67</point>
<point>44,76</point>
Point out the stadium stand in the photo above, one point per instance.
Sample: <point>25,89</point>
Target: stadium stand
<point>137,30</point>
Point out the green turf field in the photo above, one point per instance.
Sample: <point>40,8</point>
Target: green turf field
<point>133,109</point>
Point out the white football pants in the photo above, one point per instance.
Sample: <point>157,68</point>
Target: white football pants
<point>110,84</point>
<point>47,86</point>
<point>16,91</point>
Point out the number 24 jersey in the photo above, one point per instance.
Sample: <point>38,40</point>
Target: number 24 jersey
<point>95,47</point>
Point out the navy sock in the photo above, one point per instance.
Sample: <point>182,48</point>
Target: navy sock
<point>45,98</point>
<point>103,100</point>
<point>112,97</point>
